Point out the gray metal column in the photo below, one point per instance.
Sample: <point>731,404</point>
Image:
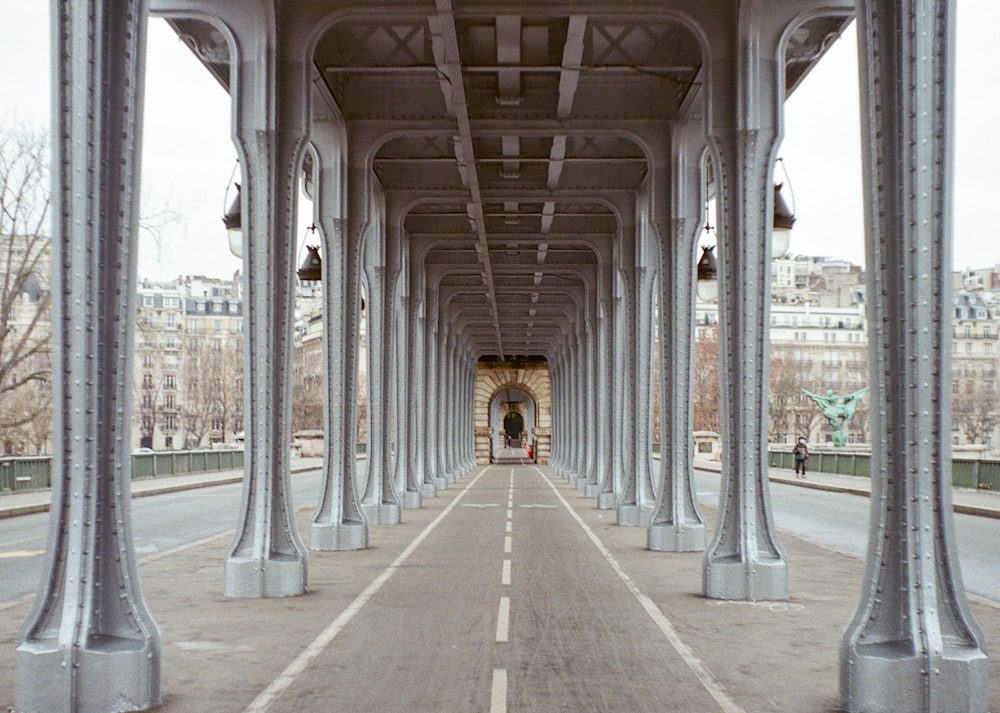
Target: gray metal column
<point>606,495</point>
<point>628,508</point>
<point>744,560</point>
<point>89,643</point>
<point>432,426</point>
<point>677,524</point>
<point>339,522</point>
<point>381,503</point>
<point>591,432</point>
<point>913,644</point>
<point>555,381</point>
<point>412,498</point>
<point>266,557</point>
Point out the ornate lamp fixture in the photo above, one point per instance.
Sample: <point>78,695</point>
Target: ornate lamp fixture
<point>312,265</point>
<point>708,277</point>
<point>233,220</point>
<point>784,219</point>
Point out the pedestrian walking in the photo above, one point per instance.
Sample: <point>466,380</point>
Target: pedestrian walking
<point>801,453</point>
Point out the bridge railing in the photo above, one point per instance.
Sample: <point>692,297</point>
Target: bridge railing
<point>977,473</point>
<point>23,474</point>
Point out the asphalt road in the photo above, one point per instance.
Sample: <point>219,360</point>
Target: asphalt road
<point>165,522</point>
<point>840,521</point>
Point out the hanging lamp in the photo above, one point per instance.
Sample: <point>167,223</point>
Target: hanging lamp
<point>312,265</point>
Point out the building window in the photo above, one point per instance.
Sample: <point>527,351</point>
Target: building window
<point>172,320</point>
<point>148,301</point>
<point>169,422</point>
<point>147,381</point>
<point>170,381</point>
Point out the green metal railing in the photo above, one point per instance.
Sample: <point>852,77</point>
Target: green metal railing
<point>965,473</point>
<point>22,474</point>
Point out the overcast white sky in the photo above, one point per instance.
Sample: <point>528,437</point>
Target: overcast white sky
<point>188,156</point>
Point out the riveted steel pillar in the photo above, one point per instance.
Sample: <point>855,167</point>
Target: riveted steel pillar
<point>744,560</point>
<point>89,643</point>
<point>432,426</point>
<point>339,521</point>
<point>381,503</point>
<point>592,485</point>
<point>619,392</point>
<point>412,498</point>
<point>606,495</point>
<point>585,420</point>
<point>677,524</point>
<point>578,414</point>
<point>630,507</point>
<point>555,377</point>
<point>913,644</point>
<point>266,557</point>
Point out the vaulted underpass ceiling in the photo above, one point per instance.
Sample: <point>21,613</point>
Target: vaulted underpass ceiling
<point>514,132</point>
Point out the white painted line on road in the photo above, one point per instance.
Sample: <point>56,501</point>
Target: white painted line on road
<point>498,696</point>
<point>510,513</point>
<point>510,526</point>
<point>505,574</point>
<point>503,619</point>
<point>262,702</point>
<point>507,544</point>
<point>707,678</point>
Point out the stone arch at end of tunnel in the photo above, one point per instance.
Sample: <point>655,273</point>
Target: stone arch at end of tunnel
<point>513,400</point>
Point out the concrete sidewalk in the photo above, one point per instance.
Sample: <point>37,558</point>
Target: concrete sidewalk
<point>984,503</point>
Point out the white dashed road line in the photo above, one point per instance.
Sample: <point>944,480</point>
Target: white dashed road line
<point>705,676</point>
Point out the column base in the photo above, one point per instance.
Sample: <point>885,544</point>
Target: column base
<point>676,538</point>
<point>256,578</point>
<point>606,501</point>
<point>382,513</point>
<point>428,490</point>
<point>737,579</point>
<point>889,677</point>
<point>634,515</point>
<point>592,490</point>
<point>441,483</point>
<point>109,673</point>
<point>412,500</point>
<point>338,537</point>
<point>582,483</point>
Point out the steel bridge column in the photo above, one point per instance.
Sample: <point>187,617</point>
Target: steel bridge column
<point>339,521</point>
<point>605,388</point>
<point>629,510</point>
<point>642,415</point>
<point>555,381</point>
<point>90,643</point>
<point>405,460</point>
<point>592,480</point>
<point>913,644</point>
<point>579,403</point>
<point>266,557</point>
<point>381,502</point>
<point>619,394</point>
<point>744,560</point>
<point>431,391</point>
<point>677,524</point>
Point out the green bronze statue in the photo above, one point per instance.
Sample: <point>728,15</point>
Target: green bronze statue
<point>838,411</point>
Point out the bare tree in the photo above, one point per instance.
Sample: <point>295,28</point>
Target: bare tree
<point>707,395</point>
<point>974,410</point>
<point>786,404</point>
<point>25,288</point>
<point>212,378</point>
<point>307,403</point>
<point>149,397</point>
